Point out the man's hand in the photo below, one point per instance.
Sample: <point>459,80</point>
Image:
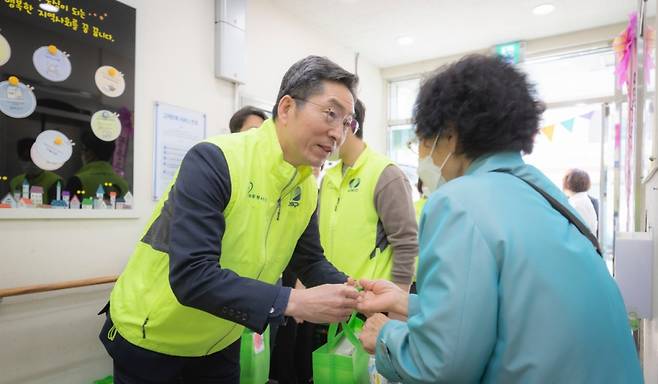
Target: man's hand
<point>328,303</point>
<point>382,296</point>
<point>370,331</point>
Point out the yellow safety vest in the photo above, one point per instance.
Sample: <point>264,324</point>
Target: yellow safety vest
<point>348,219</point>
<point>270,206</point>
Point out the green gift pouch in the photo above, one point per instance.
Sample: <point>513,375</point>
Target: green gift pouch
<point>255,357</point>
<point>342,360</point>
<point>106,380</point>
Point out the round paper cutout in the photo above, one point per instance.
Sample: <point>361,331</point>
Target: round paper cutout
<point>42,163</point>
<point>110,81</point>
<point>53,147</point>
<point>16,99</point>
<point>52,63</point>
<point>5,50</point>
<point>106,125</point>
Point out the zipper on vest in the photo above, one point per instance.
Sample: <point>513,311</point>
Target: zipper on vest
<point>281,196</point>
<point>275,214</point>
<point>332,223</point>
<point>144,328</point>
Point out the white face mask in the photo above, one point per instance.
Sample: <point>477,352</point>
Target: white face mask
<point>429,173</point>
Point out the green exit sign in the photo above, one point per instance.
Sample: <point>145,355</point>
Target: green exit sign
<point>511,52</point>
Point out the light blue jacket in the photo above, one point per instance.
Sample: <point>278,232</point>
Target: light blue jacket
<point>508,291</point>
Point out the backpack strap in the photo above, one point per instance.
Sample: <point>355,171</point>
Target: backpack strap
<point>573,219</point>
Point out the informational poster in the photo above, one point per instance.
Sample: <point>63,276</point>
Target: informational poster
<point>176,131</point>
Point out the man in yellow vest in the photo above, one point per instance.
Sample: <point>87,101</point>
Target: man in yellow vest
<point>240,209</point>
<point>367,218</point>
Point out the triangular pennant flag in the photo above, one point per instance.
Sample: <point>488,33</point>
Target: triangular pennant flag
<point>548,131</point>
<point>588,115</point>
<point>568,124</point>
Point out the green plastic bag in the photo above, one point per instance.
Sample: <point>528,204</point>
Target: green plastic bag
<point>330,366</point>
<point>255,357</point>
<point>105,380</point>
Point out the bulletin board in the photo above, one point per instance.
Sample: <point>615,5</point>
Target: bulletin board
<point>177,129</point>
<point>67,76</point>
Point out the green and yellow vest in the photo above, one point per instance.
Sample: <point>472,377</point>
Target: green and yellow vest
<point>270,206</point>
<point>348,219</point>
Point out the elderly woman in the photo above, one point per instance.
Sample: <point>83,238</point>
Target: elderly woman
<point>509,289</point>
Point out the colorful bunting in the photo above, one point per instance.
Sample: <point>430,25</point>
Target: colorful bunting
<point>588,115</point>
<point>548,131</point>
<point>568,124</point>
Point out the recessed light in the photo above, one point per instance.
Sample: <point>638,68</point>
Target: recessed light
<point>543,9</point>
<point>49,7</point>
<point>405,40</point>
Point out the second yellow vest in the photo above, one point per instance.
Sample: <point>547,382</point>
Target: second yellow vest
<point>348,218</point>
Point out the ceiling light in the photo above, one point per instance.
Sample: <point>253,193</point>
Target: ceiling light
<point>543,9</point>
<point>405,40</point>
<point>48,7</point>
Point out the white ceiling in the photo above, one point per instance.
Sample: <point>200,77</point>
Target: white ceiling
<point>446,27</point>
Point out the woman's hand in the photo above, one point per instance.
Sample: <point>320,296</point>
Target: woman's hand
<point>382,296</point>
<point>370,331</point>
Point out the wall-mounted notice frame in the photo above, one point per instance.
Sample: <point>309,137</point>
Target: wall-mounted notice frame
<point>176,131</point>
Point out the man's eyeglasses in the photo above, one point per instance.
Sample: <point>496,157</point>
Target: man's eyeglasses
<point>332,117</point>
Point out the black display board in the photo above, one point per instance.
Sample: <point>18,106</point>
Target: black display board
<point>94,34</point>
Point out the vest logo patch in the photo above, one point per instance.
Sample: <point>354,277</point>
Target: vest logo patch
<point>252,195</point>
<point>296,197</point>
<point>354,184</point>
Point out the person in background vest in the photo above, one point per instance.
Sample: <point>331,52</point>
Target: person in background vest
<point>422,199</point>
<point>241,208</point>
<point>246,118</point>
<point>34,175</point>
<point>96,170</point>
<point>367,226</point>
<point>367,219</point>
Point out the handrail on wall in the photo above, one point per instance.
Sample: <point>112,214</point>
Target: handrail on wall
<point>38,288</point>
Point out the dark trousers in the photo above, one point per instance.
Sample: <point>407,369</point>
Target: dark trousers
<point>291,361</point>
<point>133,364</point>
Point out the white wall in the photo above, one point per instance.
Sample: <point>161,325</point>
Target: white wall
<point>52,338</point>
<point>273,32</point>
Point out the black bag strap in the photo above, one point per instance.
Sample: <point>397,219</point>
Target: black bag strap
<point>560,208</point>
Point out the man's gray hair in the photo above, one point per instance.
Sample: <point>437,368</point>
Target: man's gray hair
<point>304,79</point>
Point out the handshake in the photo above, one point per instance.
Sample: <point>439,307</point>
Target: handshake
<point>330,303</point>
